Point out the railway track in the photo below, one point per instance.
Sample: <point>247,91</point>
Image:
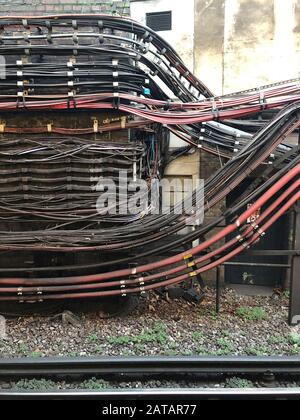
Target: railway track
<point>159,395</point>
<point>187,368</point>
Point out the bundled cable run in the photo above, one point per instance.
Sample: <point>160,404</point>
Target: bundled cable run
<point>51,172</point>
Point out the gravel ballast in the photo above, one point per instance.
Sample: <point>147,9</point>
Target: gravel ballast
<point>255,326</point>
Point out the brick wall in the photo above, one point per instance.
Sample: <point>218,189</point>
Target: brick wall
<point>36,7</point>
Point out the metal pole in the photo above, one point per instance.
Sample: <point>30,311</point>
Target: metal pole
<point>294,316</point>
<point>218,290</point>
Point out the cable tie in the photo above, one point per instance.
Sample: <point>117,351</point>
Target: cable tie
<point>193,274</point>
<point>19,73</point>
<point>75,39</point>
<point>96,125</point>
<point>123,122</point>
<point>133,271</point>
<point>19,62</point>
<point>20,83</point>
<point>71,93</point>
<point>70,74</point>
<point>115,74</point>
<point>115,84</point>
<point>2,127</point>
<point>238,223</point>
<point>70,83</point>
<point>49,127</point>
<point>115,63</point>
<point>246,245</point>
<point>240,238</point>
<point>235,150</point>
<point>70,64</point>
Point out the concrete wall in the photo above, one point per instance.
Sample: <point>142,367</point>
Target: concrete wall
<point>182,35</point>
<point>240,44</point>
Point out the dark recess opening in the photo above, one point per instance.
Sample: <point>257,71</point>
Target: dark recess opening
<point>159,21</point>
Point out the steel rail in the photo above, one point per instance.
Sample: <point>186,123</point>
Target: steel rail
<point>177,394</point>
<point>148,366</point>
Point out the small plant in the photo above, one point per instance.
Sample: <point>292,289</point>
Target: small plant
<point>22,348</point>
<point>94,384</point>
<point>36,354</point>
<point>294,339</point>
<point>99,349</point>
<point>35,385</point>
<point>73,354</point>
<point>252,314</point>
<point>157,334</point>
<point>197,336</point>
<point>225,347</point>
<point>287,294</point>
<point>254,351</point>
<point>238,383</point>
<point>93,338</point>
<point>277,339</point>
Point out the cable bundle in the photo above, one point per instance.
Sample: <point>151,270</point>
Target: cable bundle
<point>112,63</point>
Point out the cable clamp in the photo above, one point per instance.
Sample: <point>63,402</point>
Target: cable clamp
<point>70,74</point>
<point>115,63</point>
<point>96,126</point>
<point>71,93</point>
<point>19,73</point>
<point>20,83</point>
<point>49,127</point>
<point>246,245</point>
<point>70,64</point>
<point>262,99</point>
<point>193,274</point>
<point>123,122</point>
<point>70,83</point>
<point>240,238</point>
<point>19,63</point>
<point>115,84</point>
<point>238,223</point>
<point>133,271</point>
<point>123,287</point>
<point>115,74</point>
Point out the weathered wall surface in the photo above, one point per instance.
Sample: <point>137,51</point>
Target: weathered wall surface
<point>35,7</point>
<point>244,43</point>
<point>182,35</point>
